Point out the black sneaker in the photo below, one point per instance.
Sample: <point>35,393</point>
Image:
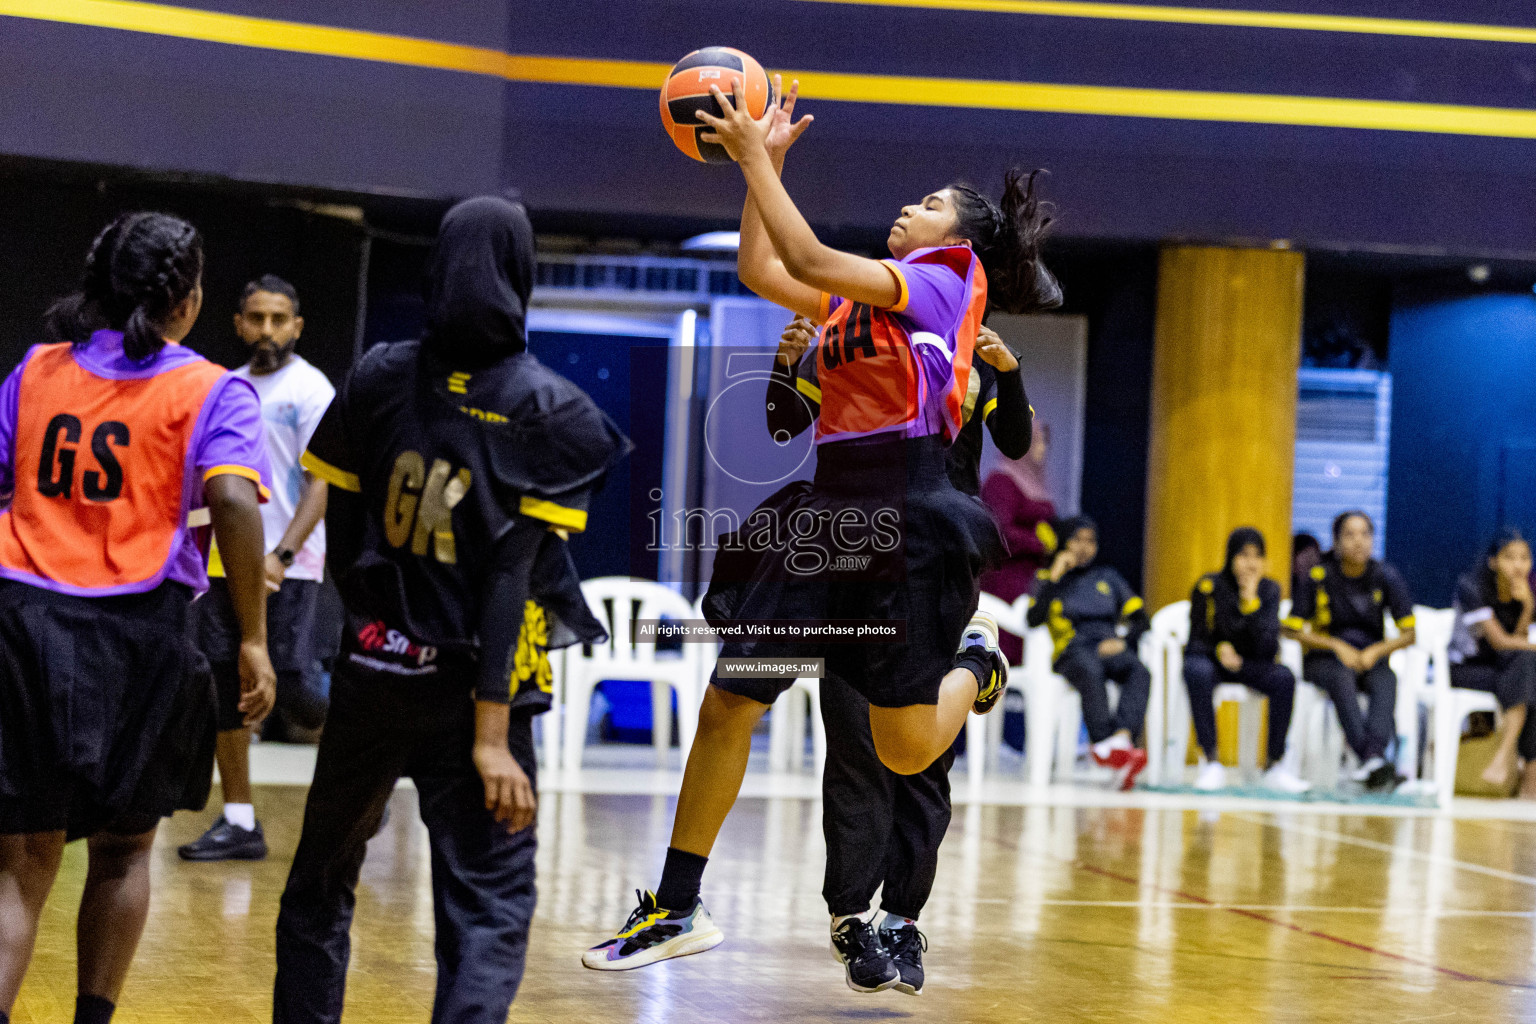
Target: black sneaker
<point>905,946</point>
<point>981,637</point>
<point>858,948</point>
<point>653,934</point>
<point>1383,779</point>
<point>224,841</point>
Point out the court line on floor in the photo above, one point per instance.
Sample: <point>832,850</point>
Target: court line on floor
<point>1374,844</point>
<point>1251,915</point>
<point>1278,908</point>
<point>1094,869</point>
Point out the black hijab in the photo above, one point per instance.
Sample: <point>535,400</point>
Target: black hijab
<point>1238,539</point>
<point>478,282</point>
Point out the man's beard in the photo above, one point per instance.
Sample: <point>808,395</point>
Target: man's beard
<point>267,357</point>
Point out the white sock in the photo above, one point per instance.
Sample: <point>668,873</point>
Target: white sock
<point>1115,742</point>
<point>893,923</point>
<point>241,815</point>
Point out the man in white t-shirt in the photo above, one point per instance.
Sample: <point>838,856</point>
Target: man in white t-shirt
<point>294,396</point>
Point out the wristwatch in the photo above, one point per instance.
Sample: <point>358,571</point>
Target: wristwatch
<point>284,555</point>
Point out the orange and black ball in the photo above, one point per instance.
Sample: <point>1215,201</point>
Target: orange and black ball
<point>687,92</point>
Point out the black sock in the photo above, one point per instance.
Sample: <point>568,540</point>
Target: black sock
<point>93,1009</point>
<point>979,664</point>
<point>680,879</point>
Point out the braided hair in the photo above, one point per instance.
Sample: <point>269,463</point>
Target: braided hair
<point>1006,236</point>
<point>139,269</point>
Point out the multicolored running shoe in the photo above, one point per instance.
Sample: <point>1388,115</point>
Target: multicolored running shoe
<point>653,934</point>
<point>981,636</point>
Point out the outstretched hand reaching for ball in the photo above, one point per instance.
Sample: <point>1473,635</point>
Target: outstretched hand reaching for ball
<point>742,135</point>
<point>783,129</point>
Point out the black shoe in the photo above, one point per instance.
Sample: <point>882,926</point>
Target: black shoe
<point>224,841</point>
<point>905,946</point>
<point>858,948</point>
<point>1384,779</point>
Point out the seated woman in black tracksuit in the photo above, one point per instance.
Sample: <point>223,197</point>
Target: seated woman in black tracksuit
<point>1234,637</point>
<point>1490,650</point>
<point>1084,605</point>
<point>1337,614</point>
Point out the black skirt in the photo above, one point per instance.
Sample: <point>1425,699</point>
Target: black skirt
<point>880,535</point>
<point>106,711</point>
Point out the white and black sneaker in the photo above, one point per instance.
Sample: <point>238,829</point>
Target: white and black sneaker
<point>653,934</point>
<point>978,646</point>
<point>906,946</point>
<point>858,948</point>
<point>1378,775</point>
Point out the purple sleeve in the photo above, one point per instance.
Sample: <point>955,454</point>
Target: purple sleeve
<point>10,397</point>
<point>934,305</point>
<point>935,297</point>
<point>233,438</point>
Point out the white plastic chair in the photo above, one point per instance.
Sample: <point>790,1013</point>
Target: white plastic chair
<point>1164,653</point>
<point>1451,704</point>
<point>786,728</point>
<point>984,733</point>
<point>618,601</point>
<point>1054,720</point>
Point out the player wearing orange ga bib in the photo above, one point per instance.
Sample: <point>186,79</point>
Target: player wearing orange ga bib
<point>879,540</point>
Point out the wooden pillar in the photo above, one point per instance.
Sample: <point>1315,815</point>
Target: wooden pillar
<point>1223,433</point>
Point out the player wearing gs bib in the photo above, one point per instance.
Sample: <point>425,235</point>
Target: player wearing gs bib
<point>457,465</point>
<point>880,533</point>
<point>112,443</point>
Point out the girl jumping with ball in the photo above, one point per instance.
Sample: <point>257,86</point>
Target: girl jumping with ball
<point>880,534</point>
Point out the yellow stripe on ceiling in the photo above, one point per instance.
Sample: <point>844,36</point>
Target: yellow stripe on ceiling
<point>263,33</point>
<point>1222,17</point>
<point>1176,104</point>
<point>1040,97</point>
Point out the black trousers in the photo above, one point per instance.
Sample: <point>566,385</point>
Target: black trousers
<point>381,728</point>
<point>880,827</point>
<point>1371,735</point>
<point>1082,666</point>
<point>1511,678</point>
<point>1202,674</point>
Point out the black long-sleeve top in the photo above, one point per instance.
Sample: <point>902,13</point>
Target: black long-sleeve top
<point>996,399</point>
<point>1218,615</point>
<point>1086,607</point>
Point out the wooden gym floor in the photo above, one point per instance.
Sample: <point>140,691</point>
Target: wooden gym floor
<point>1041,913</point>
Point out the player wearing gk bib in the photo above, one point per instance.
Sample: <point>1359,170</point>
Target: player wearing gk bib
<point>457,464</point>
<point>880,534</point>
<point>114,444</point>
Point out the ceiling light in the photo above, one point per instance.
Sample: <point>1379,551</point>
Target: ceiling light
<point>713,241</point>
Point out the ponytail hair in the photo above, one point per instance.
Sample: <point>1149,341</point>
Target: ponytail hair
<point>138,270</point>
<point>1007,237</point>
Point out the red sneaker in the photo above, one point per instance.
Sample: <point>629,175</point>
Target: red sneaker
<point>1117,758</point>
<point>1135,760</point>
